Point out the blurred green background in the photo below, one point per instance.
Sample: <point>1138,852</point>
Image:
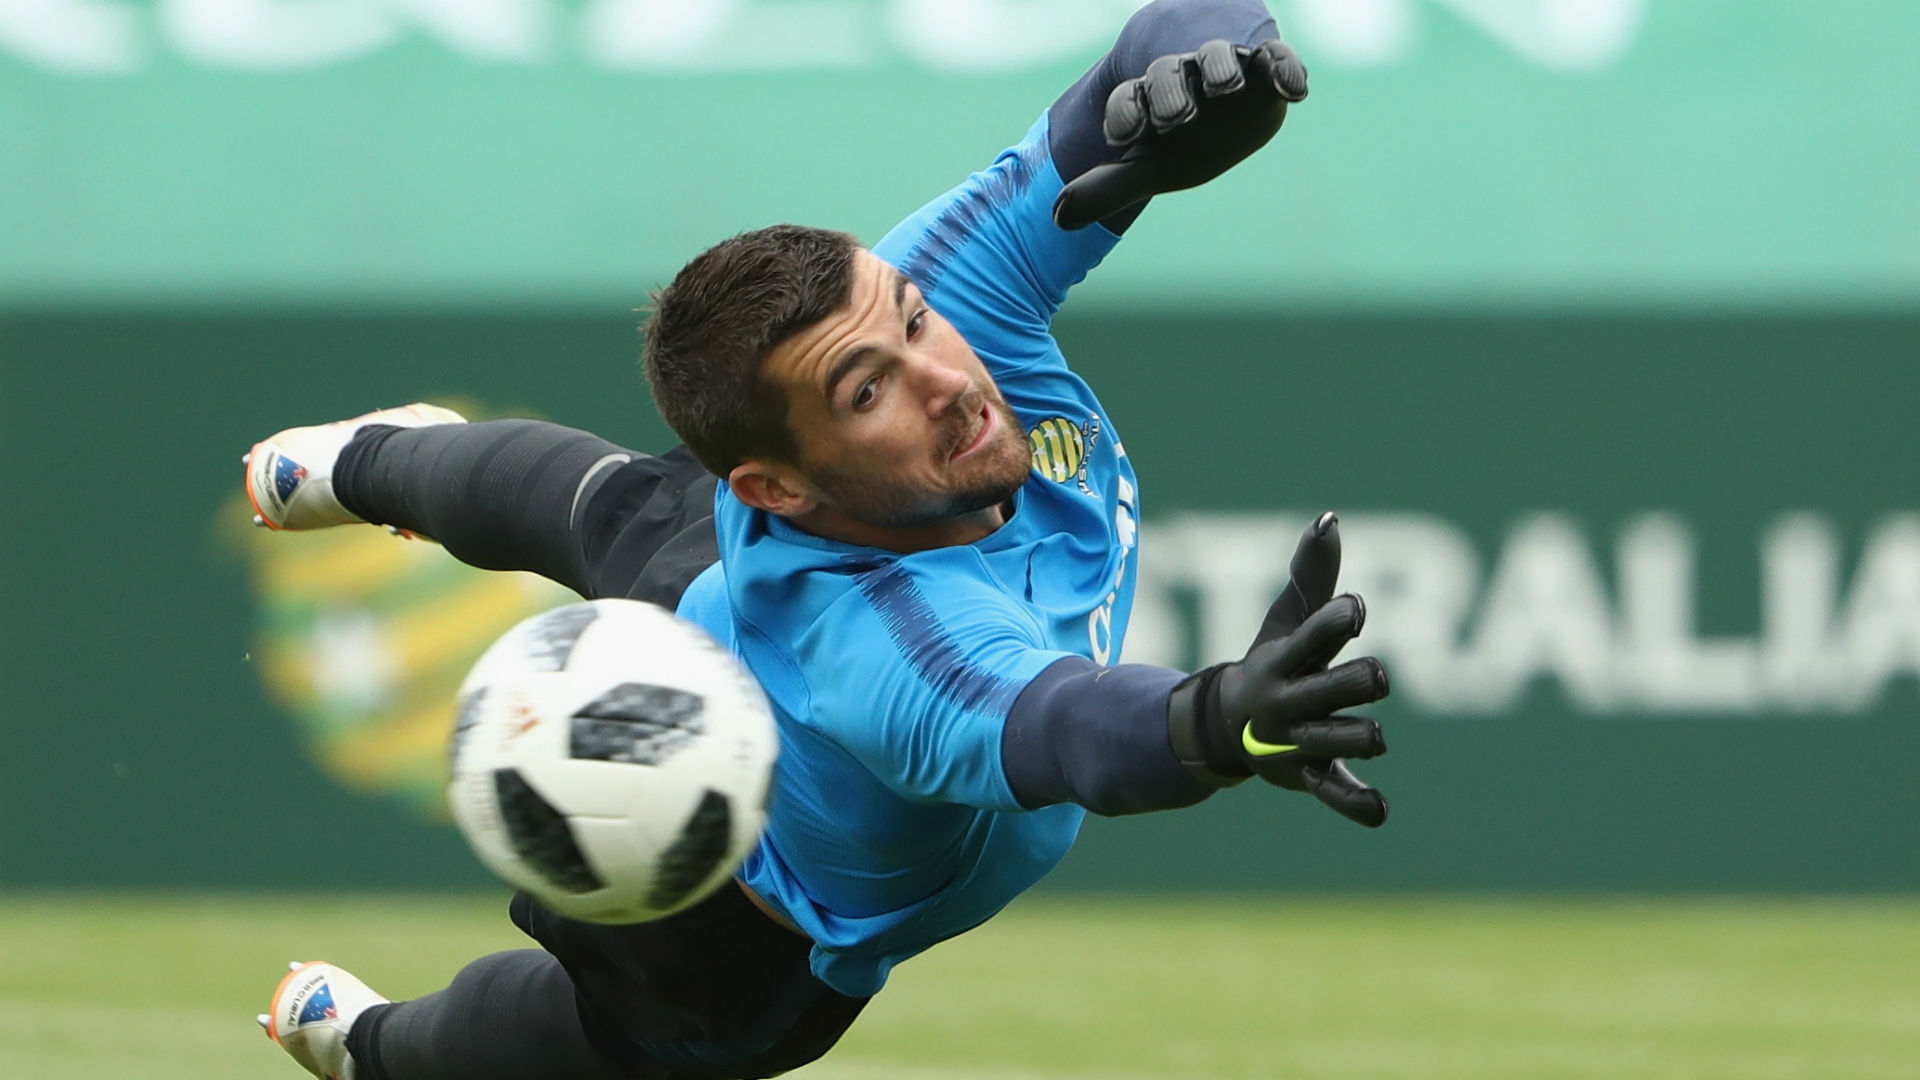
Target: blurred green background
<point>1599,320</point>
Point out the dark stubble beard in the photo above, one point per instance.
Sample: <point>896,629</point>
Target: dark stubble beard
<point>995,473</point>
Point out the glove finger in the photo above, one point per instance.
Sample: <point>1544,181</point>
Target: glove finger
<point>1292,701</point>
<point>1313,645</point>
<point>1282,66</point>
<point>1334,785</point>
<point>1101,192</point>
<point>1126,116</point>
<point>1169,95</point>
<point>1220,70</point>
<point>1310,579</point>
<point>1356,737</point>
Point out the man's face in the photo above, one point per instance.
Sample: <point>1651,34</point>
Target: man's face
<point>897,420</point>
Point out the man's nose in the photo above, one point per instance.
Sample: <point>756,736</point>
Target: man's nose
<point>945,387</point>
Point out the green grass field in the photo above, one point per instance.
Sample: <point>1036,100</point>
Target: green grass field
<point>164,988</point>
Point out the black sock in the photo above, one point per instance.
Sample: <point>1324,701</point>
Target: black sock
<point>509,1016</point>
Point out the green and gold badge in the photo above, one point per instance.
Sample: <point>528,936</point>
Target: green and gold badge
<point>1059,449</point>
<point>363,638</point>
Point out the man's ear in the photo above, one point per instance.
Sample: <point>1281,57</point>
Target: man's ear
<point>777,489</point>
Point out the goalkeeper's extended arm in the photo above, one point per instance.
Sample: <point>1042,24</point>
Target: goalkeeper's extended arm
<point>1135,738</point>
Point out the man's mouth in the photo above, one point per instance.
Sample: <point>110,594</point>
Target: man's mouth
<point>979,436</point>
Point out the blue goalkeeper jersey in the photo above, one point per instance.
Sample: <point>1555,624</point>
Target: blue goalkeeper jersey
<point>892,825</point>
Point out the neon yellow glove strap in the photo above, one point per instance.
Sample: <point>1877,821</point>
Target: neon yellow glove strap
<point>1261,749</point>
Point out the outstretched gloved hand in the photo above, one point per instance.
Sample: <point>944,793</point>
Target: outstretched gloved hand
<point>1277,712</point>
<point>1187,119</point>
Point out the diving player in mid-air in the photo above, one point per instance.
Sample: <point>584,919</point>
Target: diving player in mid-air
<point>924,527</point>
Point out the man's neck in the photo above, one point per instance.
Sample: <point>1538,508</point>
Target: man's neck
<point>947,532</point>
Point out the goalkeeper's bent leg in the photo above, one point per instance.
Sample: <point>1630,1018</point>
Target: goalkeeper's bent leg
<point>505,1017</point>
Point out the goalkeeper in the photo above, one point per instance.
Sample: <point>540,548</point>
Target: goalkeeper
<point>917,527</point>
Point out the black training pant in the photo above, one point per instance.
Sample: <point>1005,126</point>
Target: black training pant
<point>716,992</point>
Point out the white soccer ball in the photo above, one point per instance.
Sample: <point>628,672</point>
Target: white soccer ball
<point>612,761</point>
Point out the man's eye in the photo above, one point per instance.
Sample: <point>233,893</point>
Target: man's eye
<point>915,324</point>
<point>864,396</point>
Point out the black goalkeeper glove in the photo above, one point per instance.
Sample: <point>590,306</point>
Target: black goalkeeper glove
<point>1189,118</point>
<point>1271,714</point>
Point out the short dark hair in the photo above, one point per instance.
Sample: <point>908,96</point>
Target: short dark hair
<point>713,326</point>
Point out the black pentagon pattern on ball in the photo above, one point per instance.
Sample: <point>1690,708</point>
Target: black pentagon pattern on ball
<point>695,854</point>
<point>636,723</point>
<point>551,637</point>
<point>540,836</point>
<point>465,720</point>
